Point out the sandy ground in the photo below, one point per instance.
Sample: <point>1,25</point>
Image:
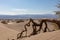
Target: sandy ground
<point>45,36</point>
<point>10,31</point>
<point>6,33</point>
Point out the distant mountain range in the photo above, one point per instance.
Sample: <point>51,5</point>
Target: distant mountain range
<point>27,16</point>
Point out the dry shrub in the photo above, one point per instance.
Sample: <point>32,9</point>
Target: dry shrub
<point>4,22</point>
<point>18,21</point>
<point>13,39</point>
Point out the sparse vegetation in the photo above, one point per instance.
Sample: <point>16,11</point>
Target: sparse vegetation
<point>4,22</point>
<point>18,21</point>
<point>13,39</point>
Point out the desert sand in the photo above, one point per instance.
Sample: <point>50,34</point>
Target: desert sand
<point>10,31</point>
<point>7,33</point>
<point>45,36</point>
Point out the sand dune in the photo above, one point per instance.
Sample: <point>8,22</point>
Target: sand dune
<point>45,36</point>
<point>16,26</point>
<point>10,31</point>
<point>6,33</point>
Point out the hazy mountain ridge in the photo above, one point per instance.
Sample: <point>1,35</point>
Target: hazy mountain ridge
<point>27,16</point>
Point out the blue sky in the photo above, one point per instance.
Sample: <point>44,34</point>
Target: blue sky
<point>19,7</point>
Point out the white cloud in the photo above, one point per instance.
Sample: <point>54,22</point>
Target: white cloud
<point>24,11</point>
